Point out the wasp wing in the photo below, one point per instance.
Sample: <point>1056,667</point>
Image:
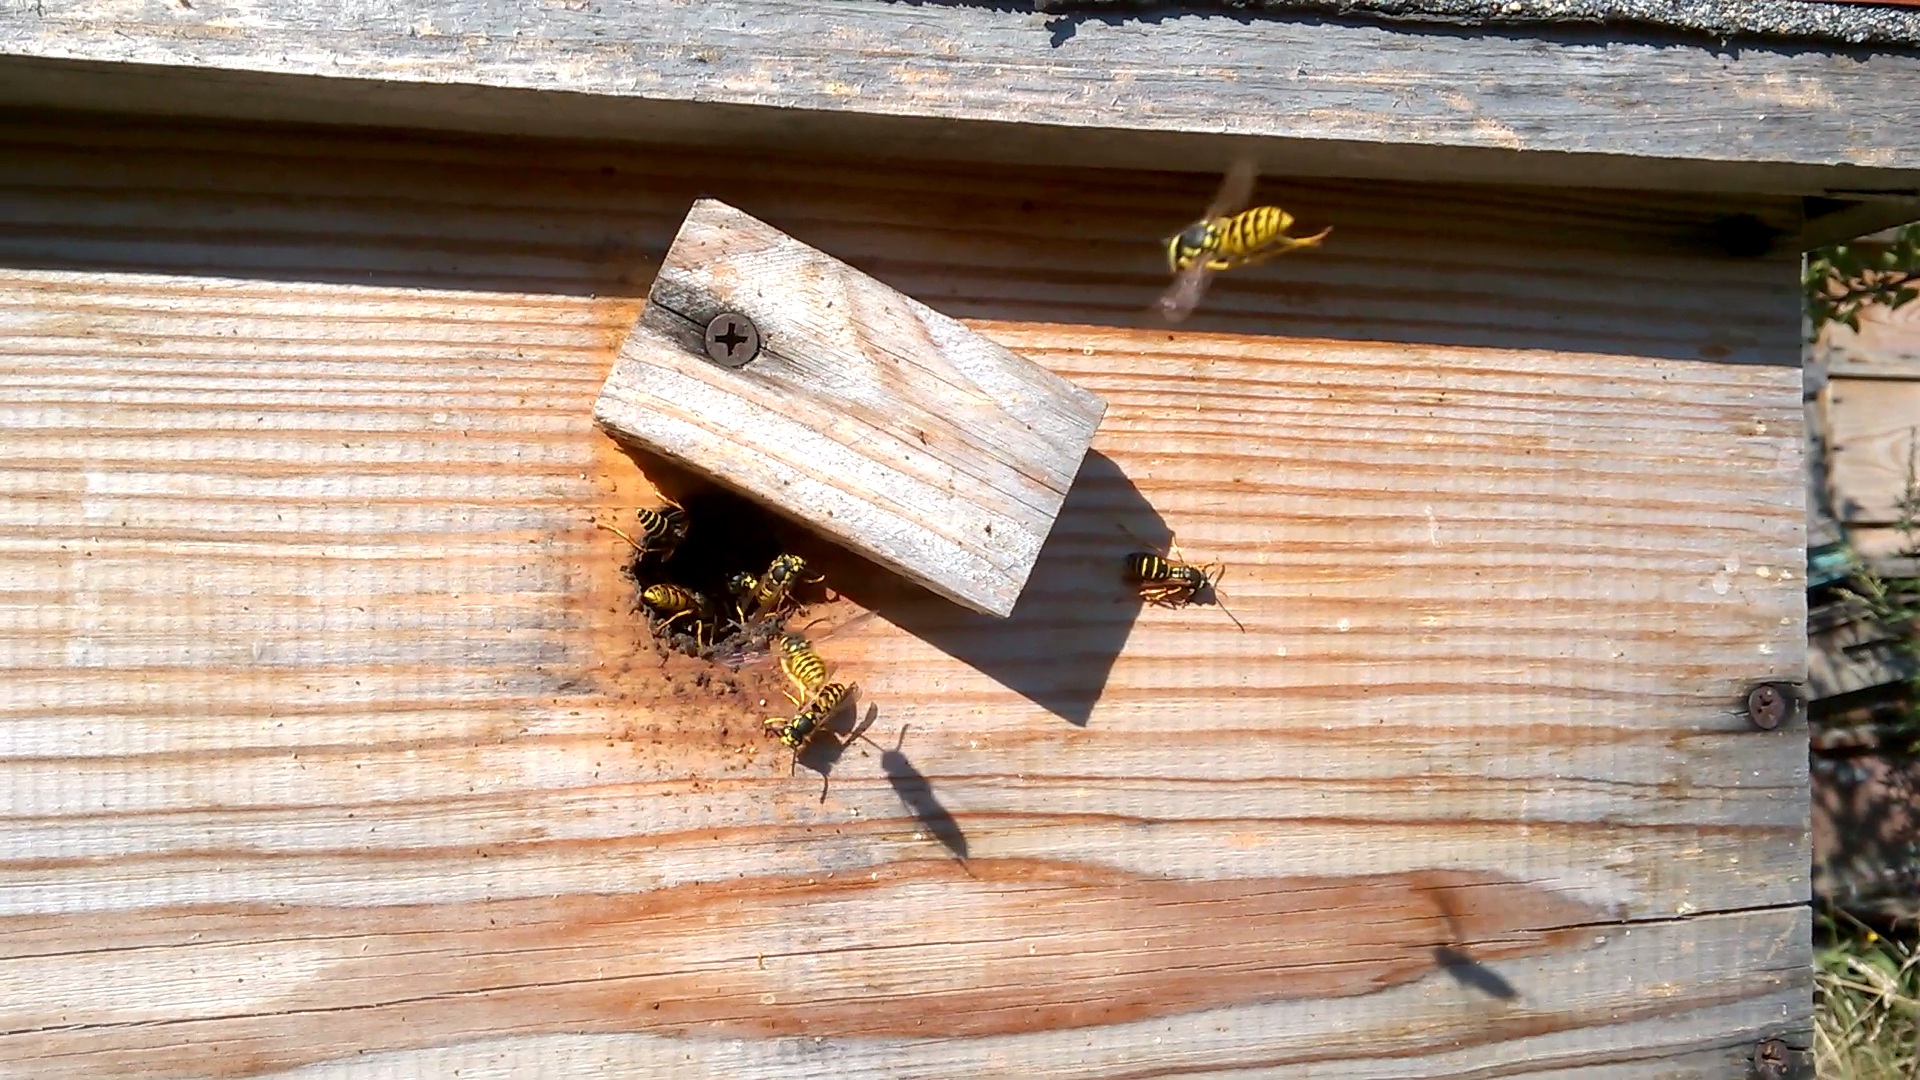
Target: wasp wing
<point>1236,188</point>
<point>758,649</point>
<point>1184,294</point>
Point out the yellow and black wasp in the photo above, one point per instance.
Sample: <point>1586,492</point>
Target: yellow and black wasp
<point>742,586</point>
<point>1226,237</point>
<point>661,531</point>
<point>673,603</point>
<point>1166,581</point>
<point>802,666</point>
<point>774,588</point>
<point>813,718</point>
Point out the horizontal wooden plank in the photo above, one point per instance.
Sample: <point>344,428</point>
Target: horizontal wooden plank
<point>1873,455</point>
<point>1854,654</point>
<point>327,734</point>
<point>862,414</point>
<point>1887,345</point>
<point>783,952</point>
<point>979,81</point>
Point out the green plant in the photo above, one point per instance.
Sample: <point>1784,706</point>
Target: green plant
<point>1841,281</point>
<point>1867,1004</point>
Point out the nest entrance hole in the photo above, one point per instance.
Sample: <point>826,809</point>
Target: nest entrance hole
<point>726,535</point>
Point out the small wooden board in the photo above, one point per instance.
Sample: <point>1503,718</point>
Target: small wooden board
<point>866,415</point>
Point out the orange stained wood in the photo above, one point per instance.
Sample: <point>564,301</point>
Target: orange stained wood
<point>329,741</point>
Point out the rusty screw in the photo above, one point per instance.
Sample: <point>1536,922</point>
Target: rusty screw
<point>1772,1061</point>
<point>1767,706</point>
<point>732,340</point>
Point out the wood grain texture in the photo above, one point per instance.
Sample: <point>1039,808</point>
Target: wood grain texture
<point>1848,650</point>
<point>867,416</point>
<point>1305,96</point>
<point>1874,454</point>
<point>329,741</point>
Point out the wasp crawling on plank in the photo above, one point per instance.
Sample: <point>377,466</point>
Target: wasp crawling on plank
<point>814,717</point>
<point>661,531</point>
<point>1166,581</point>
<point>1226,237</point>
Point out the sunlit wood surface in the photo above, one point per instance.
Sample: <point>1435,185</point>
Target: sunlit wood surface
<point>328,739</point>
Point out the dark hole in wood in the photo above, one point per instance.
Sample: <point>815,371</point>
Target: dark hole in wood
<point>727,534</point>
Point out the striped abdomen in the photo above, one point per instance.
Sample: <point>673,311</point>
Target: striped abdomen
<point>671,599</point>
<point>662,528</point>
<point>800,664</point>
<point>1144,566</point>
<point>1247,232</point>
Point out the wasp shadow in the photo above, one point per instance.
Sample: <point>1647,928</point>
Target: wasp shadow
<point>1473,974</point>
<point>915,792</point>
<point>1060,643</point>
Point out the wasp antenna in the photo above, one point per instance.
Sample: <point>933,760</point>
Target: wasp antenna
<point>901,741</point>
<point>630,540</point>
<point>1230,614</point>
<point>1220,601</point>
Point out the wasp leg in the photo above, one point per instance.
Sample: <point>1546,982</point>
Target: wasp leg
<point>1163,595</point>
<point>1280,245</point>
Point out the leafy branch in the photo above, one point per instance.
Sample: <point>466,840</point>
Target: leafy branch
<point>1841,281</point>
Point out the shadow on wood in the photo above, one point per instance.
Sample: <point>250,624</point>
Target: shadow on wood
<point>1059,644</point>
<point>915,792</point>
<point>1472,974</point>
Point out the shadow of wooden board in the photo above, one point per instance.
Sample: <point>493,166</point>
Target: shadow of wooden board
<point>328,738</point>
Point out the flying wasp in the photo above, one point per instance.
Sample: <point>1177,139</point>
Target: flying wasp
<point>773,588</point>
<point>1226,237</point>
<point>814,717</point>
<point>661,530</point>
<point>673,603</point>
<point>1166,581</point>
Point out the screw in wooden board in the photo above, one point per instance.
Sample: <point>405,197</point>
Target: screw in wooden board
<point>1767,706</point>
<point>1772,1060</point>
<point>732,340</point>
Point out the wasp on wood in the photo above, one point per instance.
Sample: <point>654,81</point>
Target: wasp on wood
<point>1168,581</point>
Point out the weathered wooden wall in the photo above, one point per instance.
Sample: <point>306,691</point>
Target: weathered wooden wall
<point>326,739</point>
<point>1560,105</point>
<point>1870,407</point>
